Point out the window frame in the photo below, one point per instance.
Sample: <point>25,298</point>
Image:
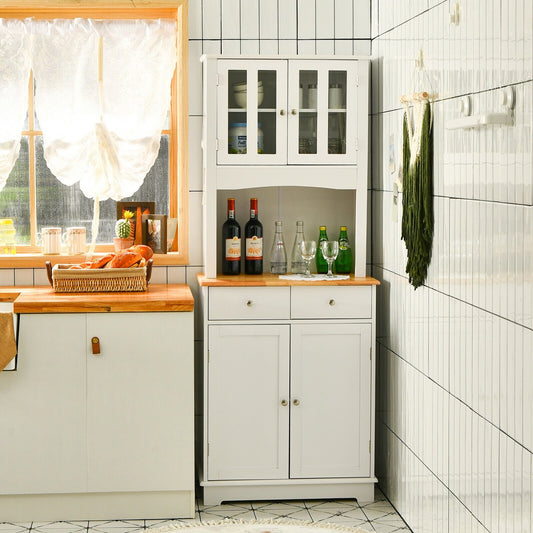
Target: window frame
<point>30,256</point>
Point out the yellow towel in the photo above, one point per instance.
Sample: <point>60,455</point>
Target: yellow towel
<point>8,344</point>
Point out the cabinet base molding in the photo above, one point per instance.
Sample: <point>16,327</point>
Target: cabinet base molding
<point>97,506</point>
<point>215,492</point>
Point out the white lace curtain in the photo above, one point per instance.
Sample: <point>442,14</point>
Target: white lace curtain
<point>102,95</point>
<point>14,75</point>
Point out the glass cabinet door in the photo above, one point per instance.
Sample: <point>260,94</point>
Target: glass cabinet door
<point>252,112</point>
<point>322,112</point>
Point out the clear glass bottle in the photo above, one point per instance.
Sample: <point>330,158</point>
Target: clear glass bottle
<point>278,256</point>
<point>297,261</point>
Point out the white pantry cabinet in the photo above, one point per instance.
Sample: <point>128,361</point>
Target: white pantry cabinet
<point>288,400</point>
<point>113,430</point>
<point>288,371</point>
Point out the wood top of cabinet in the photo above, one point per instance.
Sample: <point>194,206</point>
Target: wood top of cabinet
<point>157,298</point>
<point>273,280</point>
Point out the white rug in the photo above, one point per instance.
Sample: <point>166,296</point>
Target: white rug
<point>258,526</point>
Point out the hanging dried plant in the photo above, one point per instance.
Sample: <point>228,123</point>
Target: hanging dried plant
<point>417,217</point>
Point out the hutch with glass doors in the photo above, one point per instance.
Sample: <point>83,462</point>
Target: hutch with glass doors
<point>288,370</point>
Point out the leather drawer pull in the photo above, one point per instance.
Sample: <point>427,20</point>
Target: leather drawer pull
<point>95,344</point>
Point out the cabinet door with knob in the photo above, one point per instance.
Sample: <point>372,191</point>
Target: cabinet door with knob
<point>139,393</point>
<point>252,112</point>
<point>323,112</point>
<point>330,400</point>
<point>248,402</point>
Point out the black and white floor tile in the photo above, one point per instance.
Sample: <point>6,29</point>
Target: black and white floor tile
<point>378,516</point>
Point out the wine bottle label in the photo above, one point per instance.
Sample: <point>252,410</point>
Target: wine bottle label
<point>233,249</point>
<point>254,248</point>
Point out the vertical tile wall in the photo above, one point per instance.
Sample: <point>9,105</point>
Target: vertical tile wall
<point>455,358</point>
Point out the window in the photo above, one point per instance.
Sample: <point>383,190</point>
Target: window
<point>34,198</point>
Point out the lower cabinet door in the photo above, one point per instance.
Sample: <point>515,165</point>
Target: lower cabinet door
<point>248,402</point>
<point>42,408</point>
<point>140,402</point>
<point>330,400</point>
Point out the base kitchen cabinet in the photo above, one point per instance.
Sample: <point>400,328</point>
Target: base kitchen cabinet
<point>288,389</point>
<point>97,420</point>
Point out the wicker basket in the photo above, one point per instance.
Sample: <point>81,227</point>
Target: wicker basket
<point>64,279</point>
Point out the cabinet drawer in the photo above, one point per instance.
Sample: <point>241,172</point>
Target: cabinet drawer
<point>227,303</point>
<point>331,302</point>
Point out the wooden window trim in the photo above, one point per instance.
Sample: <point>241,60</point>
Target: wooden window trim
<point>179,131</point>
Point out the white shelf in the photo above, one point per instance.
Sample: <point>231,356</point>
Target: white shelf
<point>483,119</point>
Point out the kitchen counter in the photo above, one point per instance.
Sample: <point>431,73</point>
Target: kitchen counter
<point>157,298</point>
<point>106,381</point>
<point>273,280</point>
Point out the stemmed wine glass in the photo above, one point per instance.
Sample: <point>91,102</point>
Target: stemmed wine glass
<point>330,250</point>
<point>308,251</point>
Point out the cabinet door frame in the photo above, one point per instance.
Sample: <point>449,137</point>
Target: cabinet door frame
<point>43,426</point>
<point>152,405</point>
<point>323,67</point>
<point>221,453</point>
<point>252,68</point>
<point>318,411</point>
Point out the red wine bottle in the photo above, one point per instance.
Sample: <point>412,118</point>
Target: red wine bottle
<point>253,232</point>
<point>231,242</point>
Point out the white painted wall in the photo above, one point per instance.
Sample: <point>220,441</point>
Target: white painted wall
<point>455,417</point>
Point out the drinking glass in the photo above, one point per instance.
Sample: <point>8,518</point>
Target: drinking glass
<point>330,250</point>
<point>308,250</point>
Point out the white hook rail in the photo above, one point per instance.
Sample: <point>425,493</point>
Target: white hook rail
<point>505,118</point>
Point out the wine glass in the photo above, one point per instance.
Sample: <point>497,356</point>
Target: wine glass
<point>308,250</point>
<point>330,250</point>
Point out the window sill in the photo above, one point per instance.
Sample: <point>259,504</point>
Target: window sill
<point>39,260</point>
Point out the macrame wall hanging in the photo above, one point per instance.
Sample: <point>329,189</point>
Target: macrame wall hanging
<point>417,216</point>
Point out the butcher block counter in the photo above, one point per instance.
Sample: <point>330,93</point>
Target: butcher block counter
<point>157,298</point>
<point>97,419</point>
<point>275,280</point>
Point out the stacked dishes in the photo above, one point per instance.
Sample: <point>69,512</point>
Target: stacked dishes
<point>239,92</point>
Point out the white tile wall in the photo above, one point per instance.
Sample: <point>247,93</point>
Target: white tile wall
<point>455,366</point>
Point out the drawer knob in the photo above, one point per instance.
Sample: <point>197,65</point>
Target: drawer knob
<point>332,302</point>
<point>282,112</point>
<point>294,112</point>
<point>296,402</point>
<point>284,403</point>
<point>249,303</point>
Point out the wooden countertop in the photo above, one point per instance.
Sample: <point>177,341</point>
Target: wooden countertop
<point>273,280</point>
<point>158,298</point>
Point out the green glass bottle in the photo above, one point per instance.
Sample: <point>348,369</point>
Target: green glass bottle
<point>343,263</point>
<point>321,263</point>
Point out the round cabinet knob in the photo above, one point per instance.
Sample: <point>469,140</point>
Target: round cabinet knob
<point>284,403</point>
<point>332,302</point>
<point>282,112</point>
<point>296,402</point>
<point>249,303</point>
<point>294,112</point>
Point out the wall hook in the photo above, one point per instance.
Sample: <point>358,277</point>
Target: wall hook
<point>454,15</point>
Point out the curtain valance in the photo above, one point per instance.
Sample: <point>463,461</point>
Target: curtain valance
<point>101,98</point>
<point>14,74</point>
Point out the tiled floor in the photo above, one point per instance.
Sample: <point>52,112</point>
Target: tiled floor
<point>379,516</point>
